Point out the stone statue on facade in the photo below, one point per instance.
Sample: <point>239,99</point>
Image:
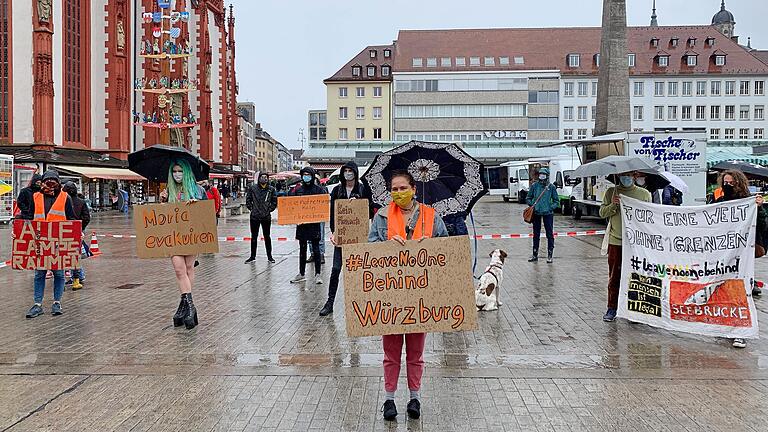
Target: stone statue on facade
<point>120,36</point>
<point>44,10</point>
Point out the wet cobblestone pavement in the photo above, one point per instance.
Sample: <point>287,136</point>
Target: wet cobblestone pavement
<point>262,359</point>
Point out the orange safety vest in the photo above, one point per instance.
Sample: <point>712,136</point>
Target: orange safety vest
<point>396,222</point>
<point>718,193</point>
<point>57,211</point>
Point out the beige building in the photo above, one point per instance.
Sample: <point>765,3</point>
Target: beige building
<point>360,97</point>
<point>264,151</point>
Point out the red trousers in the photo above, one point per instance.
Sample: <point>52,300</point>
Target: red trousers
<point>414,359</point>
<point>614,275</point>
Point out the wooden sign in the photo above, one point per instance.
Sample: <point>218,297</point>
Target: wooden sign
<point>296,210</point>
<point>43,245</point>
<point>164,230</point>
<point>419,287</point>
<point>351,223</point>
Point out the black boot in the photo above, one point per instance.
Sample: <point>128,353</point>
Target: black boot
<point>178,317</point>
<point>327,309</point>
<point>550,256</point>
<point>190,318</point>
<point>534,257</point>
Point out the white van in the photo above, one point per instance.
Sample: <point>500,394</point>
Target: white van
<point>519,180</point>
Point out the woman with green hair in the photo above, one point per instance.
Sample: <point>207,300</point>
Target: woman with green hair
<point>182,187</point>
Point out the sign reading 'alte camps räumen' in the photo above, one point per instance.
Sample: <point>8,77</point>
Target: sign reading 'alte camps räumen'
<point>43,245</point>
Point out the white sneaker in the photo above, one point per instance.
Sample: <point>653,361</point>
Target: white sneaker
<point>739,343</point>
<point>319,279</point>
<point>298,278</point>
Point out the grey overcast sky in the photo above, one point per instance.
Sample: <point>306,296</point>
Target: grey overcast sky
<point>286,48</point>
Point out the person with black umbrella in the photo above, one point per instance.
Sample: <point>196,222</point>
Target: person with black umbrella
<point>310,232</point>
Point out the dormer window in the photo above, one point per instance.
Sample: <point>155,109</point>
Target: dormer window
<point>663,60</point>
<point>417,62</point>
<point>387,53</point>
<point>356,71</point>
<point>710,41</point>
<point>597,60</point>
<point>385,70</point>
<point>691,42</point>
<point>631,60</point>
<point>691,59</point>
<point>573,60</point>
<point>673,42</point>
<point>371,70</point>
<point>719,60</point>
<point>655,42</point>
<point>431,61</point>
<point>372,53</point>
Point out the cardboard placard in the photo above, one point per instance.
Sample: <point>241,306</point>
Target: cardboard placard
<point>351,223</point>
<point>164,230</point>
<point>296,210</point>
<point>420,287</point>
<point>43,245</point>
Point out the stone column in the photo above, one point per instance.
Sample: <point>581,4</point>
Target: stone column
<point>613,79</point>
<point>42,46</point>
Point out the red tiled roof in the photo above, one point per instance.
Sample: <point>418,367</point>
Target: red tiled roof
<point>363,59</point>
<point>548,48</point>
<point>761,55</point>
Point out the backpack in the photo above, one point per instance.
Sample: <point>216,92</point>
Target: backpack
<point>677,197</point>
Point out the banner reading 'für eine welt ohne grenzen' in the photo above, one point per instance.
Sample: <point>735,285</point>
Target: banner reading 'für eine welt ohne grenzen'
<point>690,269</point>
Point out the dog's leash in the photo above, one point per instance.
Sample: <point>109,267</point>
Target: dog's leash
<point>474,236</point>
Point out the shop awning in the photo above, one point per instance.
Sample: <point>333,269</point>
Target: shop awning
<point>220,176</point>
<point>101,173</point>
<point>713,158</point>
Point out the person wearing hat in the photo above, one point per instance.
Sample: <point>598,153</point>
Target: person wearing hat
<point>84,215</point>
<point>308,233</point>
<point>544,199</point>
<point>50,204</point>
<point>24,201</point>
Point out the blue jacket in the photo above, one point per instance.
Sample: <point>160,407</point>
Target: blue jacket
<point>548,202</point>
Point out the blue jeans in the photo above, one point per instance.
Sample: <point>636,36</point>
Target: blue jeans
<point>79,273</point>
<point>58,285</point>
<point>548,227</point>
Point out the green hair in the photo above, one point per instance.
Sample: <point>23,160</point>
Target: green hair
<point>188,182</point>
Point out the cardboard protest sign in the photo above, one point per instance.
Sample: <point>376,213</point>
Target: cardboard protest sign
<point>295,210</point>
<point>351,221</point>
<point>690,269</point>
<point>43,245</point>
<point>419,287</point>
<point>164,230</point>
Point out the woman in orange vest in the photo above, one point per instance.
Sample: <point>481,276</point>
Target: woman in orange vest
<point>404,219</point>
<point>182,187</point>
<point>51,204</point>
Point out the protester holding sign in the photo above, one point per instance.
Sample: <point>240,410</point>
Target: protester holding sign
<point>350,188</point>
<point>544,199</point>
<point>51,204</point>
<point>183,188</point>
<point>404,219</point>
<point>261,200</point>
<point>308,233</point>
<point>610,209</point>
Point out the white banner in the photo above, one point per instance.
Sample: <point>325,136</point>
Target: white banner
<point>690,269</point>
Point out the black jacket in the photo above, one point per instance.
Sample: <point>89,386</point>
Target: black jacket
<point>310,231</point>
<point>48,201</point>
<point>261,201</point>
<point>81,210</point>
<point>360,191</point>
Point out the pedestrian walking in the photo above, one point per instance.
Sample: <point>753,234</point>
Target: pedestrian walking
<point>308,233</point>
<point>224,190</point>
<point>322,229</point>
<point>50,204</point>
<point>183,188</point>
<point>212,193</point>
<point>261,200</point>
<point>84,215</point>
<point>610,209</point>
<point>349,188</point>
<point>543,197</point>
<point>734,185</point>
<point>25,200</point>
<point>404,219</point>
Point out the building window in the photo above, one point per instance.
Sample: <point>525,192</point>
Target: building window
<point>691,42</point>
<point>744,88</point>
<point>673,42</point>
<point>573,60</point>
<point>387,53</point>
<point>360,133</point>
<point>658,113</point>
<point>568,89</point>
<point>542,123</point>
<point>582,112</point>
<point>672,88</point>
<point>445,61</point>
<point>73,112</point>
<point>759,112</point>
<point>691,60</point>
<point>342,92</point>
<point>568,134</point>
<point>594,113</point>
<point>597,60</point>
<point>744,133</point>
<point>568,113</point>
<point>542,96</point>
<point>730,87</point>
<point>385,70</point>
<point>360,91</point>
<point>687,88</point>
<point>744,112</point>
<point>714,112</point>
<point>342,113</point>
<point>464,111</point>
<point>701,88</point>
<point>638,88</point>
<point>461,61</point>
<point>658,88</point>
<point>519,60</point>
<point>417,62</point>
<point>582,134</point>
<point>729,132</point>
<point>377,92</point>
<point>663,61</point>
<point>714,133</point>
<point>356,71</point>
<point>672,112</point>
<point>720,60</point>
<point>360,113</point>
<point>757,133</point>
<point>371,71</point>
<point>759,88</point>
<point>504,61</point>
<point>594,88</point>
<point>377,133</point>
<point>714,88</point>
<point>377,113</point>
<point>372,53</point>
<point>343,134</point>
<point>489,61</point>
<point>474,61</point>
<point>701,112</point>
<point>637,113</point>
<point>583,88</point>
<point>631,60</point>
<point>730,112</point>
<point>686,112</point>
<point>432,62</point>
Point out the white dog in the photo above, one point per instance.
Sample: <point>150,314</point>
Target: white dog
<point>487,292</point>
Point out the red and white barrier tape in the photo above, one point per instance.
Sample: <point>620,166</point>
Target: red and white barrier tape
<point>4,264</point>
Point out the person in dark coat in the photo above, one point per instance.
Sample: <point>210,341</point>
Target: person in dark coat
<point>308,233</point>
<point>84,215</point>
<point>349,188</point>
<point>261,200</point>
<point>25,201</point>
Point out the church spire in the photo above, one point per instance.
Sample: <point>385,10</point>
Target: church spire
<point>722,5</point>
<point>654,22</point>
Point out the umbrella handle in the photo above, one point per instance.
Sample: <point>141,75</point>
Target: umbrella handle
<point>474,252</point>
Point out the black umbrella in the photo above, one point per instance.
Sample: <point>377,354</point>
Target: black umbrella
<point>748,168</point>
<point>654,179</point>
<point>154,162</point>
<point>447,178</point>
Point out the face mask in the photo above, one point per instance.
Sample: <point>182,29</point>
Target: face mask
<point>349,175</point>
<point>403,199</point>
<point>306,179</point>
<point>543,177</point>
<point>728,190</point>
<point>626,181</point>
<point>49,188</point>
<point>640,181</point>
<point>178,176</point>
<point>36,186</point>
<point>262,181</point>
